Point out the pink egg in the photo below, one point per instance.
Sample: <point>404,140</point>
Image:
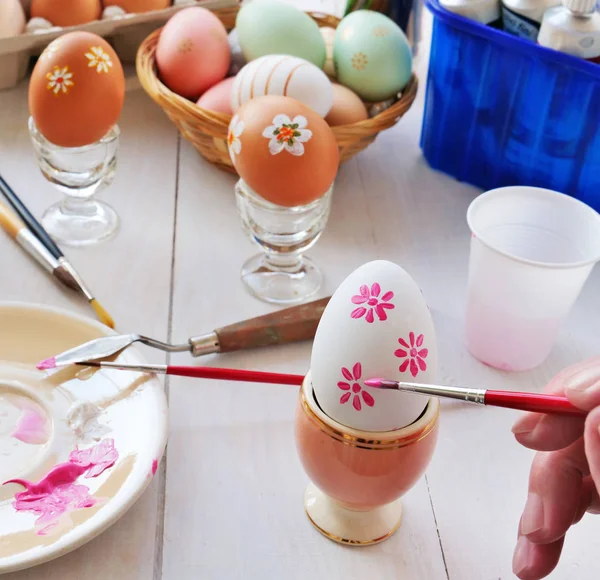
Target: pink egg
<point>218,98</point>
<point>192,52</point>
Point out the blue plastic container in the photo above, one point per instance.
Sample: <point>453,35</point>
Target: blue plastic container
<point>504,111</point>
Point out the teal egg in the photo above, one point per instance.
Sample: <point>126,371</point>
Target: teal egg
<point>371,55</point>
<point>272,27</point>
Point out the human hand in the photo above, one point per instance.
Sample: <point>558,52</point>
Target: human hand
<point>564,481</point>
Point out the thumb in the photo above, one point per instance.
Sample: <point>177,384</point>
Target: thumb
<point>592,445</point>
<point>582,384</point>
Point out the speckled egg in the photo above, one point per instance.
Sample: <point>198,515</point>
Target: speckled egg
<point>283,150</point>
<point>76,90</point>
<point>376,325</point>
<point>372,55</point>
<point>273,27</point>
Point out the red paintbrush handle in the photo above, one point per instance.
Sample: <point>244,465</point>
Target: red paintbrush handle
<point>532,402</point>
<point>235,375</point>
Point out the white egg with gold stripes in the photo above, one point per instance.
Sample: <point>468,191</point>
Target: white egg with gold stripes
<point>286,76</point>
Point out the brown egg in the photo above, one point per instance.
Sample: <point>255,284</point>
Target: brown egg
<point>66,12</point>
<point>347,108</point>
<point>137,6</point>
<point>283,150</point>
<point>76,90</point>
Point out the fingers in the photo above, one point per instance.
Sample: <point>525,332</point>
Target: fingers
<point>535,561</point>
<point>555,491</point>
<point>547,432</point>
<point>581,384</point>
<point>592,448</point>
<point>589,500</point>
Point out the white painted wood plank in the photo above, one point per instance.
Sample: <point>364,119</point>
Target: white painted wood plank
<point>130,276</point>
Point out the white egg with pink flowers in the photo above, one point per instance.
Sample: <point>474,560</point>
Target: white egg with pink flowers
<point>376,325</point>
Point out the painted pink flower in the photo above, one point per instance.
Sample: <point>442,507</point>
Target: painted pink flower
<point>413,353</point>
<point>353,389</point>
<point>372,303</point>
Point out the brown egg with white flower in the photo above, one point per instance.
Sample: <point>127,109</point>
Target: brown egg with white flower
<point>77,89</point>
<point>283,150</point>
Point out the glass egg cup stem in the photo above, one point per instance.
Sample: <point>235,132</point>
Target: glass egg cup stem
<point>281,274</point>
<point>79,173</point>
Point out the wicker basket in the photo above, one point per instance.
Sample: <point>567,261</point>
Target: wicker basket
<point>207,130</point>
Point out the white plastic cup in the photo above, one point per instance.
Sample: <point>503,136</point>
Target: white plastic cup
<point>532,250</point>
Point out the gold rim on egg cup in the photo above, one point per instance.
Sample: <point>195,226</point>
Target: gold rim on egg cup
<point>375,440</point>
<point>207,130</point>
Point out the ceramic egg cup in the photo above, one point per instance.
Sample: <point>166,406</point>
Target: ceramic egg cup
<point>281,274</point>
<point>80,173</point>
<point>358,477</point>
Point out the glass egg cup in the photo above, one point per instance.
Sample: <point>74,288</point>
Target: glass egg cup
<point>281,274</point>
<point>80,173</point>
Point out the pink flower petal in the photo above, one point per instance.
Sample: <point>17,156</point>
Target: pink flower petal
<point>422,364</point>
<point>411,336</point>
<point>357,371</point>
<point>344,398</point>
<point>387,296</point>
<point>420,340</point>
<point>404,365</point>
<point>370,318</point>
<point>387,305</point>
<point>401,353</point>
<point>358,312</point>
<point>364,290</point>
<point>344,386</point>
<point>359,299</point>
<point>414,371</point>
<point>368,399</point>
<point>423,353</point>
<point>403,343</point>
<point>347,374</point>
<point>356,388</point>
<point>380,312</point>
<point>375,289</point>
<point>356,403</point>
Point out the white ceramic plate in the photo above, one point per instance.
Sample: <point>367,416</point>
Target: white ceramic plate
<point>88,445</point>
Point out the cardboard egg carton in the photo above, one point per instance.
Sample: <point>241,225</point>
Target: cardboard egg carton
<point>124,31</point>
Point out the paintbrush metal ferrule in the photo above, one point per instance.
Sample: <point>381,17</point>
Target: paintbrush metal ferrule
<point>69,276</point>
<point>460,393</point>
<point>32,245</point>
<point>146,368</point>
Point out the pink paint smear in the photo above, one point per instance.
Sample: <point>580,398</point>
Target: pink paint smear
<point>49,363</point>
<point>58,492</point>
<point>154,466</point>
<point>31,427</point>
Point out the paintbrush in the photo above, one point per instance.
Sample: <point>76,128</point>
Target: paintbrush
<point>51,257</point>
<point>532,402</point>
<point>204,373</point>
<point>292,324</point>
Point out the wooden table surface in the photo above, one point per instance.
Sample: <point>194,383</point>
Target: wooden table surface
<point>226,503</point>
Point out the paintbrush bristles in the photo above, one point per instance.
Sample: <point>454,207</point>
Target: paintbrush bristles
<point>10,222</point>
<point>102,314</point>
